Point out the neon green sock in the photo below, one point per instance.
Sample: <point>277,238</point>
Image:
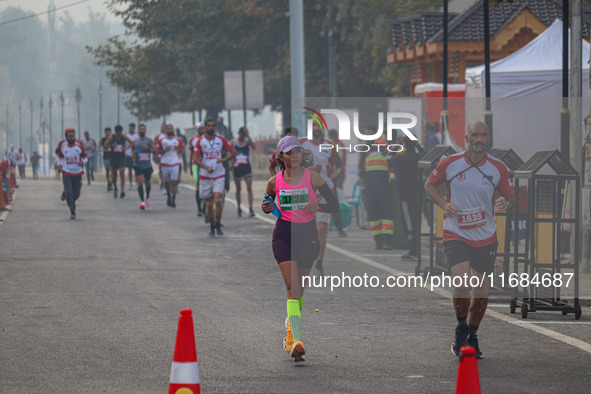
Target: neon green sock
<point>295,318</point>
<point>301,302</point>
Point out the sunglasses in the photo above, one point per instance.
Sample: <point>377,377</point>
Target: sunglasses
<point>294,150</point>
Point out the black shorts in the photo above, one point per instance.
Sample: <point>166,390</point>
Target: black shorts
<point>296,242</point>
<point>242,171</point>
<point>128,162</point>
<point>146,172</point>
<point>482,259</point>
<point>117,162</point>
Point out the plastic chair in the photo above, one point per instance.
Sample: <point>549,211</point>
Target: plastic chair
<point>356,203</point>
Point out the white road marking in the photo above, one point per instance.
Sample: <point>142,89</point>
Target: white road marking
<point>582,345</point>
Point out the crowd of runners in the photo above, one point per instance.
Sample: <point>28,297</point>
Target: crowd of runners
<point>301,194</point>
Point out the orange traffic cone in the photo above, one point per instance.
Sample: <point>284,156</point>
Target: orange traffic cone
<point>468,381</point>
<point>184,374</point>
<point>2,204</point>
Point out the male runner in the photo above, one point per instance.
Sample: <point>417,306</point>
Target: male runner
<point>324,165</point>
<point>469,228</point>
<point>71,163</point>
<point>89,145</point>
<point>117,142</point>
<point>171,149</point>
<point>241,167</point>
<point>132,136</point>
<point>158,156</point>
<point>142,164</point>
<point>194,168</point>
<point>107,158</point>
<point>208,156</point>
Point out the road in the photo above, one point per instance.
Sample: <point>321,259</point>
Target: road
<point>92,305</point>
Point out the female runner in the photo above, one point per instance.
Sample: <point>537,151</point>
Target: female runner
<point>295,239</point>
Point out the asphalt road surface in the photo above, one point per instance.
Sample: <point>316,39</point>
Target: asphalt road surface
<point>92,305</point>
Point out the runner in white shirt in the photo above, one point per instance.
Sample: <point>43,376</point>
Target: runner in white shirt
<point>170,148</point>
<point>21,160</point>
<point>71,163</point>
<point>132,136</point>
<point>469,227</point>
<point>212,174</point>
<point>324,165</point>
<point>90,147</point>
<point>195,169</point>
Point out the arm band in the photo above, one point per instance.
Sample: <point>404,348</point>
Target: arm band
<point>332,205</point>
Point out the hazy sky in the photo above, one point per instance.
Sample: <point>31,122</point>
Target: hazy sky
<point>77,11</point>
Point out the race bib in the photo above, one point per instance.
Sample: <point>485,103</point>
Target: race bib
<point>471,218</point>
<point>144,157</point>
<point>212,155</point>
<point>241,159</point>
<point>118,148</point>
<point>293,200</point>
<point>71,160</point>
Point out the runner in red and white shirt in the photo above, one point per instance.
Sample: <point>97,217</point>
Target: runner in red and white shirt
<point>212,174</point>
<point>158,156</point>
<point>71,163</point>
<point>469,227</point>
<point>171,149</point>
<point>194,168</point>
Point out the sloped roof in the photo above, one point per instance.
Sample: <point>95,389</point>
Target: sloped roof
<point>466,21</point>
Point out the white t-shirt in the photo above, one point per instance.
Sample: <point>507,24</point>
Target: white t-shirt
<point>472,192</point>
<point>324,157</point>
<point>70,156</point>
<point>132,137</point>
<point>170,158</point>
<point>209,152</point>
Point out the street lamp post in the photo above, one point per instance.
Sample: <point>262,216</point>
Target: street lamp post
<point>42,127</point>
<point>20,126</point>
<point>78,98</point>
<point>63,102</point>
<point>100,130</point>
<point>118,106</point>
<point>31,140</point>
<point>100,92</point>
<point>50,104</point>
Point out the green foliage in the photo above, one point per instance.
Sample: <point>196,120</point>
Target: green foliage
<point>181,48</point>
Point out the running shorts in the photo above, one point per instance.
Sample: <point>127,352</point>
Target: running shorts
<point>207,187</point>
<point>117,163</point>
<point>170,173</point>
<point>146,172</point>
<point>482,259</point>
<point>296,242</point>
<point>242,171</point>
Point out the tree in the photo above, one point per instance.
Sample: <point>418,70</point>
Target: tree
<point>180,48</point>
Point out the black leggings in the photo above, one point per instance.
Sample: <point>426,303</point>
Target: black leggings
<point>72,186</point>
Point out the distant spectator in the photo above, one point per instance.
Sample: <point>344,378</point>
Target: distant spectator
<point>221,129</point>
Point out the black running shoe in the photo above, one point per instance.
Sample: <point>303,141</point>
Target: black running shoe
<point>218,230</point>
<point>473,341</point>
<point>460,339</point>
<point>211,232</point>
<point>251,213</point>
<point>122,195</point>
<point>239,212</point>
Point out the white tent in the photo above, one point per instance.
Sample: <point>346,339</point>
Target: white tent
<point>526,91</point>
